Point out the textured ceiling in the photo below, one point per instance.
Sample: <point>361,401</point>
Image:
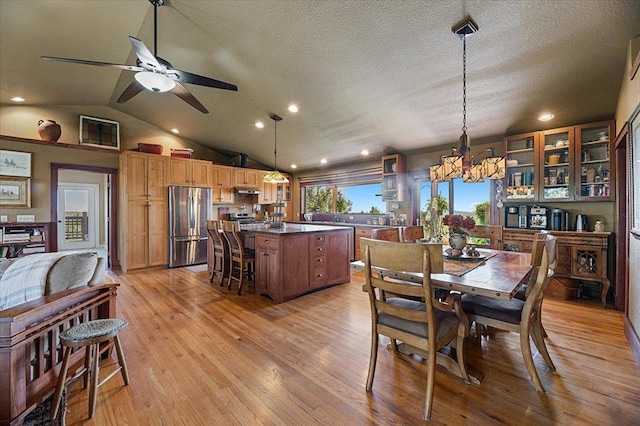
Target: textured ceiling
<point>380,75</point>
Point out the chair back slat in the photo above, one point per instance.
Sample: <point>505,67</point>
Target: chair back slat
<point>411,234</point>
<point>488,236</point>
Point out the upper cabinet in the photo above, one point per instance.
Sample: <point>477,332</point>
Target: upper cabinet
<point>565,164</point>
<point>521,176</point>
<point>594,165</point>
<point>221,177</point>
<point>185,171</point>
<point>557,153</point>
<point>394,178</point>
<point>246,178</point>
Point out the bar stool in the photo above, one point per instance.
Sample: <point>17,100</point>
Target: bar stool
<point>89,335</point>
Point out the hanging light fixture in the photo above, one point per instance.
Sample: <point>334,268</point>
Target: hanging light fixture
<point>275,176</point>
<point>460,162</point>
<point>464,30</point>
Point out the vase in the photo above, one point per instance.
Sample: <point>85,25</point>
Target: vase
<point>49,130</point>
<point>457,241</point>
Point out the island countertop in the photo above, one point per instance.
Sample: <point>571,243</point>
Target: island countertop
<point>289,228</point>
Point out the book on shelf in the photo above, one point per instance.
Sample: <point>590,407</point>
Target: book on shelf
<point>16,238</point>
<point>32,250</point>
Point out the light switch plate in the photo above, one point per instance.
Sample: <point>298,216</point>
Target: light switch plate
<point>4,218</point>
<point>25,218</point>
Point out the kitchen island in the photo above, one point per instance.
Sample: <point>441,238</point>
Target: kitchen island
<point>299,258</point>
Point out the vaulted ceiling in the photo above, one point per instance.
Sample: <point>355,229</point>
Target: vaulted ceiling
<point>376,75</point>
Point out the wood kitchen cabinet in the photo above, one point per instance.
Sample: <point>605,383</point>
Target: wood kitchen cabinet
<point>360,233</point>
<point>221,177</point>
<point>184,171</point>
<point>565,164</point>
<point>291,264</point>
<point>222,196</point>
<point>246,178</point>
<point>581,255</point>
<point>144,233</point>
<point>595,169</point>
<point>394,178</point>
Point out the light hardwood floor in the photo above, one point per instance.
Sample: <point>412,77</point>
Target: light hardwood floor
<point>201,355</point>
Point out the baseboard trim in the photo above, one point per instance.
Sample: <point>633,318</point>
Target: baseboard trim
<point>632,337</point>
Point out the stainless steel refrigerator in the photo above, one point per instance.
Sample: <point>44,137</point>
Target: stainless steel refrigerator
<point>189,209</point>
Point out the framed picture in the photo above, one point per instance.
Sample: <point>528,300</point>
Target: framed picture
<point>15,163</point>
<point>15,192</point>
<point>99,132</point>
<point>634,190</point>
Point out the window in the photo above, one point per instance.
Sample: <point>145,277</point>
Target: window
<point>352,198</point>
<point>468,199</point>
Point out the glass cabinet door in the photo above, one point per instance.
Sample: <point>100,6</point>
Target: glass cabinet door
<point>594,167</point>
<point>521,178</point>
<point>556,159</point>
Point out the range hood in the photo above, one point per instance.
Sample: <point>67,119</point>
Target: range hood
<point>249,191</point>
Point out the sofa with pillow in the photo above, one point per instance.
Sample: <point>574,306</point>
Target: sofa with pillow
<point>42,295</point>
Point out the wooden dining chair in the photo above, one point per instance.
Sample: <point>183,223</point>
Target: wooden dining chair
<point>241,260</point>
<point>515,315</point>
<point>487,236</point>
<point>397,314</point>
<point>386,234</point>
<point>411,234</point>
<point>220,250</point>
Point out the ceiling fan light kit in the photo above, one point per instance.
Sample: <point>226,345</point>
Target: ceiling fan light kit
<point>154,73</point>
<point>155,82</point>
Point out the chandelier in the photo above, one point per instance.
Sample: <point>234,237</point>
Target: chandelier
<point>275,176</point>
<point>461,164</point>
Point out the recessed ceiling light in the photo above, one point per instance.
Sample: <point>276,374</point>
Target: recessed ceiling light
<point>17,99</point>
<point>293,166</point>
<point>546,117</point>
<point>176,131</point>
<point>323,161</point>
<point>293,108</point>
<point>259,124</point>
<point>364,152</point>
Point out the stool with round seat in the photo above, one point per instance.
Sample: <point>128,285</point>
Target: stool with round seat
<point>90,335</point>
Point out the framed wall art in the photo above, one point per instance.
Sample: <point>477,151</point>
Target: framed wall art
<point>15,192</point>
<point>634,168</point>
<point>15,163</point>
<point>99,132</point>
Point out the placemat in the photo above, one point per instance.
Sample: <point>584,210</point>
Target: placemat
<point>461,267</point>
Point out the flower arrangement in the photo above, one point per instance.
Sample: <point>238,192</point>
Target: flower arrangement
<point>458,224</point>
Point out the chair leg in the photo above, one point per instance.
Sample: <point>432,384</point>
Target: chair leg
<point>95,370</point>
<point>538,339</point>
<point>431,372</point>
<point>231,269</point>
<point>478,330</point>
<point>460,358</point>
<point>213,268</point>
<point>525,346</point>
<point>121,360</point>
<point>62,378</point>
<point>372,360</point>
<point>241,273</point>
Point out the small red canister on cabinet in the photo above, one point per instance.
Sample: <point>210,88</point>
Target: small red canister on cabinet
<point>181,152</point>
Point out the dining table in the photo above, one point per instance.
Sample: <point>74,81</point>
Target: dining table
<point>493,273</point>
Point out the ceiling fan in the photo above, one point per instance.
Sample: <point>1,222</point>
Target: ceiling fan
<point>154,73</point>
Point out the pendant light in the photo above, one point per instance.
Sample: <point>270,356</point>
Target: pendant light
<point>275,176</point>
<point>464,30</point>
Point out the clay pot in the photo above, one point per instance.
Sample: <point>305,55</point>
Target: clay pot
<point>49,130</point>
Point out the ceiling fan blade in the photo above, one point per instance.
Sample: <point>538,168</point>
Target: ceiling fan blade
<point>133,89</point>
<point>187,77</point>
<point>144,54</point>
<point>181,92</point>
<point>99,64</point>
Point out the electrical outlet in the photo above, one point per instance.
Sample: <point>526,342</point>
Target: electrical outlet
<point>4,218</point>
<point>25,218</point>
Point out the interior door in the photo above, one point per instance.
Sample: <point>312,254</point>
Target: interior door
<point>77,216</point>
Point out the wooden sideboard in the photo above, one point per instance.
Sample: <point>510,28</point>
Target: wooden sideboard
<point>581,255</point>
